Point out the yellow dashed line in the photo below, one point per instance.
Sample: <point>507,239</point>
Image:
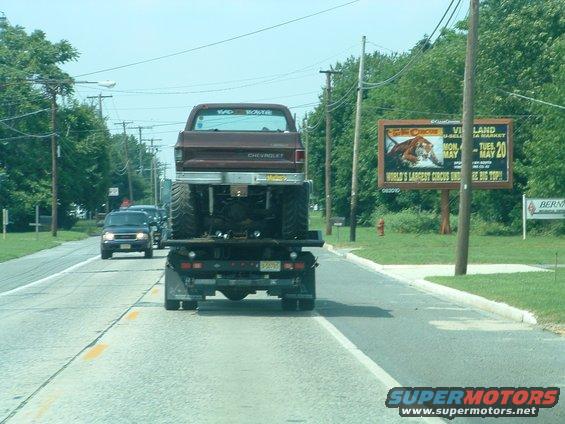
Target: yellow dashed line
<point>154,291</point>
<point>45,406</point>
<point>95,352</point>
<point>132,315</point>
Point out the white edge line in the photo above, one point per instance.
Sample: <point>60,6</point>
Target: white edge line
<point>385,378</point>
<point>50,277</point>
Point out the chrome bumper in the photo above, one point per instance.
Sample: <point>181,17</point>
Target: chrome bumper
<point>246,178</point>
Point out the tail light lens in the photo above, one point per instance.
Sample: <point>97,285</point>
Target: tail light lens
<point>299,156</point>
<point>178,155</point>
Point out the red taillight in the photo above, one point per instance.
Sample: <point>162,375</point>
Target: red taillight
<point>299,265</point>
<point>185,265</point>
<point>299,156</point>
<point>287,266</point>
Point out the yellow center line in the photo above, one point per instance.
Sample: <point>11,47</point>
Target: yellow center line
<point>154,291</point>
<point>132,315</point>
<point>95,351</point>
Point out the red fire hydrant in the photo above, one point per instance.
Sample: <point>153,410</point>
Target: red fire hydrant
<point>381,227</point>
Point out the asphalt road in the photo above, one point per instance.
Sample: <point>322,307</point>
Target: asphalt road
<point>93,344</point>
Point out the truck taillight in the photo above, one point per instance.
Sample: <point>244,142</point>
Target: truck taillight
<point>178,155</point>
<point>299,156</point>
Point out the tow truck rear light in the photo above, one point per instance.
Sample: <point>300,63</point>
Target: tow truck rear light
<point>289,266</point>
<point>197,265</point>
<point>185,265</point>
<point>299,156</point>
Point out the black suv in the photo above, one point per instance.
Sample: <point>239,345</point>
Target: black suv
<point>127,231</point>
<point>156,216</point>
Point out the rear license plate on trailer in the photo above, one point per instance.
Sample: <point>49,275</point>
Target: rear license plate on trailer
<point>125,246</point>
<point>270,266</point>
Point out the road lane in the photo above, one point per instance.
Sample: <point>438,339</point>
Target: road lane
<point>96,345</point>
<point>44,326</point>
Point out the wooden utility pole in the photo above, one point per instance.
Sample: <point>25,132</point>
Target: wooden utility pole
<point>54,171</point>
<point>128,165</point>
<point>464,222</point>
<point>305,132</point>
<point>140,128</point>
<point>154,173</point>
<point>356,142</point>
<point>328,164</point>
<point>99,97</point>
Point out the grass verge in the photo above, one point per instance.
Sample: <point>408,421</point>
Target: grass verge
<point>539,292</point>
<point>403,248</point>
<point>21,244</point>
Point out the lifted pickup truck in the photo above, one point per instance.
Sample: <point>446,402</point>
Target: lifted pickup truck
<point>240,208</point>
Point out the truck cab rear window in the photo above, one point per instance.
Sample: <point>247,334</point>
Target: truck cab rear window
<point>226,119</point>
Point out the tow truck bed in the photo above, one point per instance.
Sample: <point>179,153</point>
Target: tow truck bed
<point>197,268</point>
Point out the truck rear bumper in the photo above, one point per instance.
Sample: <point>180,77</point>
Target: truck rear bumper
<point>246,178</point>
<point>182,287</point>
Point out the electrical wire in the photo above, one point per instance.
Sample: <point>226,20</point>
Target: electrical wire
<point>24,115</point>
<point>215,43</point>
<point>418,54</point>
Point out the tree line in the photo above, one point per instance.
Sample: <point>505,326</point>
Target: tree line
<point>90,158</point>
<point>521,50</point>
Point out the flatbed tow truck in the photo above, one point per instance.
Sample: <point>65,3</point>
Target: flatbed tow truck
<point>197,268</point>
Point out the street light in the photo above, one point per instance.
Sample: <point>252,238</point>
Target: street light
<point>52,87</point>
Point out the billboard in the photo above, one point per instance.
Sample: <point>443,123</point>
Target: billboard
<point>426,154</point>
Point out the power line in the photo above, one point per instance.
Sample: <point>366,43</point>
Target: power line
<point>226,40</point>
<point>24,115</point>
<point>533,100</point>
<point>417,55</point>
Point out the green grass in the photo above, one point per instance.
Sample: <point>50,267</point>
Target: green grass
<point>542,293</point>
<point>87,226</point>
<point>21,244</point>
<point>396,248</point>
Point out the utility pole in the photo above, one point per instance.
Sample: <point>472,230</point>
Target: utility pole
<point>128,167</point>
<point>356,142</point>
<point>464,221</point>
<point>99,97</point>
<point>154,174</point>
<point>54,171</point>
<point>328,164</point>
<point>140,128</point>
<point>305,132</point>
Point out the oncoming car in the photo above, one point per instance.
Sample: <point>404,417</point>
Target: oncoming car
<point>160,232</point>
<point>127,231</point>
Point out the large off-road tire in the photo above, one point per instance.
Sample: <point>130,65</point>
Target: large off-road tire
<point>184,212</point>
<point>295,212</point>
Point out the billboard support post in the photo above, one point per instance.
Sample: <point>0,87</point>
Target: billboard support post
<point>445,226</point>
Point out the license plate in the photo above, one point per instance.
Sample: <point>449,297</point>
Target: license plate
<point>276,177</point>
<point>270,266</point>
<point>125,246</point>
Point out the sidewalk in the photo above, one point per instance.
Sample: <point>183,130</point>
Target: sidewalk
<point>415,275</point>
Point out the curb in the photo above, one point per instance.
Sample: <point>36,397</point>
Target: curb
<point>457,296</point>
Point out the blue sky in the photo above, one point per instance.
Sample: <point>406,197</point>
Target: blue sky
<point>112,33</point>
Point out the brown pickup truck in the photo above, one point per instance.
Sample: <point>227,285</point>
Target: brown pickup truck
<point>239,174</point>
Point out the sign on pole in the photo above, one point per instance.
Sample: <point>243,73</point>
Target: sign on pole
<point>113,191</point>
<point>426,154</point>
<point>536,208</point>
